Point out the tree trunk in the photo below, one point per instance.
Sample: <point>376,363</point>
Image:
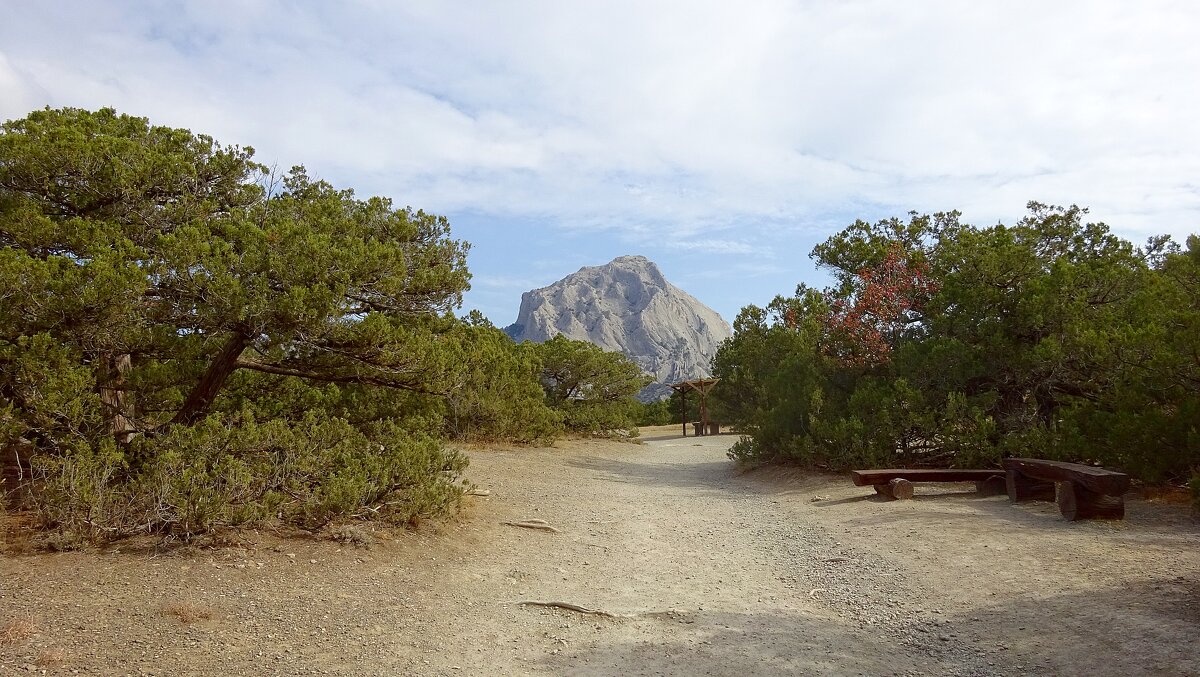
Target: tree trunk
<point>115,399</point>
<point>15,468</point>
<point>224,363</point>
<point>1047,405</point>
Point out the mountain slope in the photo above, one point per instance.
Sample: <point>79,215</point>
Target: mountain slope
<point>627,306</point>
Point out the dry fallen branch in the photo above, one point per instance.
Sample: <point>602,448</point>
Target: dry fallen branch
<point>479,492</point>
<point>532,524</point>
<point>573,607</point>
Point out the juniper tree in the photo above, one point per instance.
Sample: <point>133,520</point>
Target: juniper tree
<point>592,388</point>
<point>944,343</point>
<point>164,262</point>
<point>150,276</point>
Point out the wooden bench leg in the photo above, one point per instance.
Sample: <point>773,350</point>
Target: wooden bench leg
<point>1022,488</point>
<point>902,489</point>
<point>992,486</point>
<point>1076,502</point>
<point>897,489</point>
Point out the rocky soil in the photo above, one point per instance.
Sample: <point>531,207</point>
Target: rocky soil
<point>704,571</point>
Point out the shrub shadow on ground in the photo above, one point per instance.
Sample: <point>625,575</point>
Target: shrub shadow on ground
<point>1145,628</point>
<point>1145,522</point>
<point>714,475</point>
<point>776,642</point>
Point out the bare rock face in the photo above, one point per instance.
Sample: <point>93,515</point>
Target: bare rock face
<point>628,306</point>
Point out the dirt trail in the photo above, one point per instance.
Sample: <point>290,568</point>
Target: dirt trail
<point>705,571</point>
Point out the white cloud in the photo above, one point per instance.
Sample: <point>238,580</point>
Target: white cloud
<point>696,121</point>
<point>715,246</point>
<point>15,90</point>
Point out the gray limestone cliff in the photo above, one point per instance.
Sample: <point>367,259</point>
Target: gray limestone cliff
<point>627,306</point>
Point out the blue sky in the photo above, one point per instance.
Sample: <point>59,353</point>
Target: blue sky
<point>722,140</point>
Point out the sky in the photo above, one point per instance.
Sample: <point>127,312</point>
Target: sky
<point>722,140</point>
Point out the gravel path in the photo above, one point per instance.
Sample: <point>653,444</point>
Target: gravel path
<point>702,571</point>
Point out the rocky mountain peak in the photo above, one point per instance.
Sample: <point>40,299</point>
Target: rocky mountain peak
<point>628,306</point>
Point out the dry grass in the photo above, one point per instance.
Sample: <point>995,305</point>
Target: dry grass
<point>1167,494</point>
<point>17,630</point>
<point>188,612</point>
<point>352,535</point>
<point>50,658</point>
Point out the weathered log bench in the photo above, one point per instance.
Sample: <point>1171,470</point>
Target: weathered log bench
<point>1081,491</point>
<point>898,482</point>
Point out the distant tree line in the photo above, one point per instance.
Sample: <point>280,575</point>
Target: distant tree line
<point>188,340</point>
<point>945,344</point>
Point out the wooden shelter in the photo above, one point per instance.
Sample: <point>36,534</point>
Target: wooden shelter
<point>702,386</point>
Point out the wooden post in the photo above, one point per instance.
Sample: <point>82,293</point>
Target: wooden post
<point>702,388</point>
<point>683,409</point>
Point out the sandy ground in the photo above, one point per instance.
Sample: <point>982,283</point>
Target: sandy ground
<point>706,572</point>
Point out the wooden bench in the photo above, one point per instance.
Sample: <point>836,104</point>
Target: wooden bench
<point>1081,491</point>
<point>898,482</point>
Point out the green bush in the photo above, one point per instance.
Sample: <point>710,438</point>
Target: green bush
<point>235,471</point>
<point>186,348</point>
<point>498,397</point>
<point>590,388</point>
<point>655,413</point>
<point>582,416</point>
<point>942,344</point>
